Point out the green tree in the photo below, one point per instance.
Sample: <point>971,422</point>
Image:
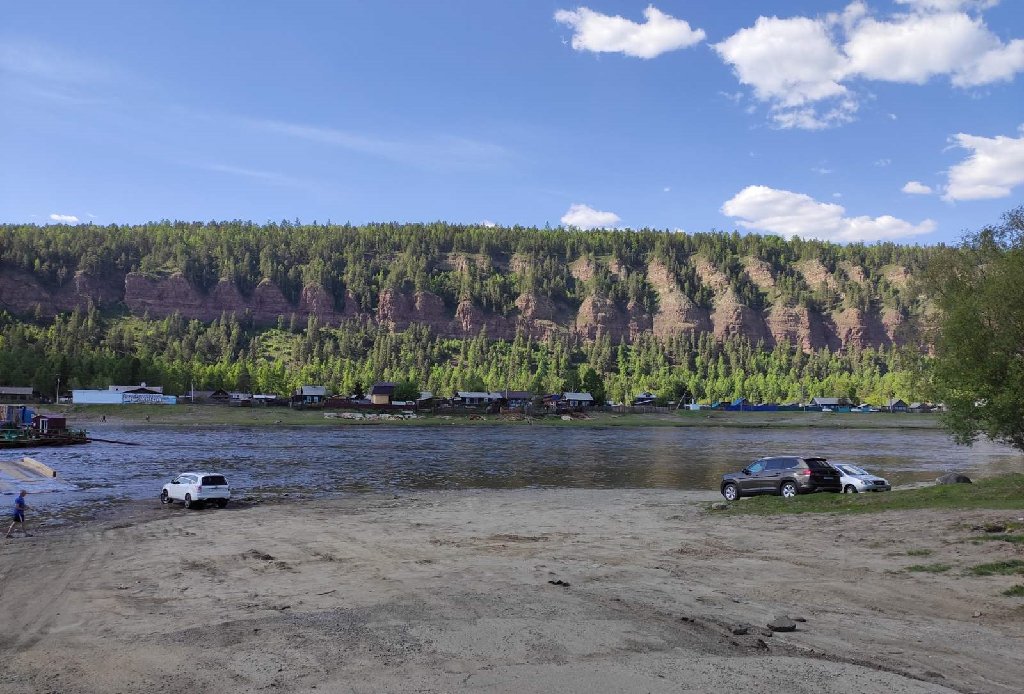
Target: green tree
<point>978,371</point>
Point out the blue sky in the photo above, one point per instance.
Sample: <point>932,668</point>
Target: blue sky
<point>877,120</point>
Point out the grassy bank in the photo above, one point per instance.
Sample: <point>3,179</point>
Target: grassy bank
<point>221,415</point>
<point>1003,492</point>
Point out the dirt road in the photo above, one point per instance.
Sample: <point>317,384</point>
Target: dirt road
<point>466,591</point>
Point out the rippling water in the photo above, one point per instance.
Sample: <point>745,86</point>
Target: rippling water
<point>352,459</point>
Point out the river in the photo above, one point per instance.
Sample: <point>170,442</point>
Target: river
<point>314,461</point>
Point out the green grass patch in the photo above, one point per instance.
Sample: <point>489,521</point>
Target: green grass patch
<point>929,568</point>
<point>999,568</point>
<point>1003,492</point>
<point>918,552</point>
<point>1016,592</point>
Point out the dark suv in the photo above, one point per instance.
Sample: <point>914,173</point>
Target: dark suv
<point>784,474</point>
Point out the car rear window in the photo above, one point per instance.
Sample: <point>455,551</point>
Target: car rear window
<point>818,464</point>
<point>214,480</point>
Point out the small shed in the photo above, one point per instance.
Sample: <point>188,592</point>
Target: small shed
<point>382,393</point>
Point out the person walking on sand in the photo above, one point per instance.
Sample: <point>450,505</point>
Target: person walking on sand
<point>19,514</point>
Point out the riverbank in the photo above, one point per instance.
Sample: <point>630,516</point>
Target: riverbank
<point>511,591</point>
<point>222,415</point>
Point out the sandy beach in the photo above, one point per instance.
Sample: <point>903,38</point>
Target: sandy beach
<point>508,591</point>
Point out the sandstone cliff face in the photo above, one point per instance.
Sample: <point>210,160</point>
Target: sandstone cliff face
<point>22,294</point>
<point>676,312</point>
<point>798,326</point>
<point>535,315</point>
<point>598,317</point>
<point>731,318</point>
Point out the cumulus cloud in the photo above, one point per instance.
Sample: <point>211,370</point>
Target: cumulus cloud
<point>804,67</point>
<point>600,33</point>
<point>586,217</point>
<point>775,211</point>
<point>64,218</point>
<point>994,168</point>
<point>916,188</point>
<point>488,223</point>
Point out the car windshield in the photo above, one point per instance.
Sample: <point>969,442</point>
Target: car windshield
<point>214,480</point>
<point>818,464</point>
<point>853,470</point>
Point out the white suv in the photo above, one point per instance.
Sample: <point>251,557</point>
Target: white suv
<point>194,489</point>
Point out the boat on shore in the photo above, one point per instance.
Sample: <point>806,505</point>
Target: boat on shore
<point>20,427</point>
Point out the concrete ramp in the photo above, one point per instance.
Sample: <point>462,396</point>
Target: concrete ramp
<point>30,474</point>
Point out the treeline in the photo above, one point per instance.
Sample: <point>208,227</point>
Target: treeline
<point>489,266</point>
<point>88,350</point>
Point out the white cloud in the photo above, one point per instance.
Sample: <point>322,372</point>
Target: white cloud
<point>585,217</point>
<point>917,47</point>
<point>882,163</point>
<point>600,33</point>
<point>787,61</point>
<point>821,170</point>
<point>666,189</point>
<point>804,68</point>
<point>916,188</point>
<point>761,208</point>
<point>994,168</point>
<point>64,218</point>
<point>488,223</point>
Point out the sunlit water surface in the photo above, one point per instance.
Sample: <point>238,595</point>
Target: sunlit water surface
<point>317,461</point>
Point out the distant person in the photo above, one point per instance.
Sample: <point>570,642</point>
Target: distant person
<point>19,514</point>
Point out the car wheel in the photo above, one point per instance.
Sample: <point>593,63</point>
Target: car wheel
<point>788,490</point>
<point>188,501</point>
<point>164,499</point>
<point>221,503</point>
<point>730,492</point>
<point>849,489</point>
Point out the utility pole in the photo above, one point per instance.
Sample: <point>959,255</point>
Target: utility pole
<point>57,401</point>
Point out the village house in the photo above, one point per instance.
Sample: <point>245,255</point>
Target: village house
<point>309,396</point>
<point>894,405</point>
<point>473,398</point>
<point>219,396</point>
<point>17,394</point>
<point>517,398</point>
<point>577,400</point>
<point>645,399</point>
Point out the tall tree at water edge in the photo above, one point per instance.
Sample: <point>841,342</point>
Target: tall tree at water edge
<point>979,341</point>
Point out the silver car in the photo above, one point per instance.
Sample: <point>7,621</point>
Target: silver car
<point>856,479</point>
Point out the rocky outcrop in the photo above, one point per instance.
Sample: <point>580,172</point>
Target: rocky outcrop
<point>797,325</point>
<point>599,317</point>
<point>676,312</point>
<point>398,311</point>
<point>470,320</point>
<point>730,318</point>
<point>22,294</point>
<point>535,315</point>
<point>854,327</point>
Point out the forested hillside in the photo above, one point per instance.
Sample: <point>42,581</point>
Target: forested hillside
<point>269,306</point>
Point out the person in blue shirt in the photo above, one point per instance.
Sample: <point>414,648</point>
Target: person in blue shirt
<point>19,514</point>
